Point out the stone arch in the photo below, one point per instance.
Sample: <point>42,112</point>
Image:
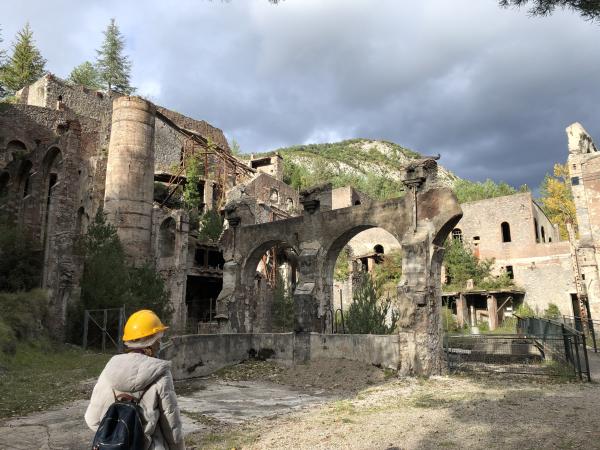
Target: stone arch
<point>332,252</point>
<point>505,228</point>
<point>167,238</point>
<point>15,149</point>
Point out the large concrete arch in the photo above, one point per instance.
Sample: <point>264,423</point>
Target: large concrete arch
<point>420,221</point>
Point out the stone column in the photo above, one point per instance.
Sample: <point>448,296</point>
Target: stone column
<point>492,308</point>
<point>129,193</point>
<point>462,313</point>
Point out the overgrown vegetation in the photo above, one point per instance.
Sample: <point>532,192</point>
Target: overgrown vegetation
<point>283,306</point>
<point>20,259</point>
<point>388,272</point>
<point>108,281</point>
<point>210,226</point>
<point>369,313</point>
<point>556,199</point>
<point>23,316</point>
<point>524,311</point>
<point>462,265</point>
<point>42,374</point>
<point>346,163</point>
<point>341,272</point>
<point>552,312</point>
<point>472,191</point>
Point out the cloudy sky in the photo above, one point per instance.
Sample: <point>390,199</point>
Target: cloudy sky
<point>490,89</point>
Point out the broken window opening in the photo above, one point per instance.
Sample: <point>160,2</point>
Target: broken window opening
<point>4,179</point>
<point>457,234</point>
<point>166,238</point>
<point>543,235</point>
<point>510,272</point>
<point>378,249</point>
<point>537,233</point>
<point>201,299</point>
<point>505,227</point>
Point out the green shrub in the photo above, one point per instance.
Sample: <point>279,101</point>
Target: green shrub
<point>211,226</point>
<point>20,259</point>
<point>524,310</point>
<point>449,323</point>
<point>109,282</point>
<point>23,315</point>
<point>368,314</point>
<point>283,306</point>
<point>552,312</point>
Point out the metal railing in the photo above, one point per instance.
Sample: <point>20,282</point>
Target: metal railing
<point>540,347</point>
<point>548,333</point>
<point>585,326</point>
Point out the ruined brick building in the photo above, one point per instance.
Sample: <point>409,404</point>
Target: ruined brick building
<point>526,245</point>
<point>66,151</point>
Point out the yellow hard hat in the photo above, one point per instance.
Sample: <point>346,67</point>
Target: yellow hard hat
<point>142,324</point>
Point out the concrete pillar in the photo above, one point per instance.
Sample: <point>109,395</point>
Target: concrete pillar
<point>492,308</point>
<point>462,313</point>
<point>130,175</point>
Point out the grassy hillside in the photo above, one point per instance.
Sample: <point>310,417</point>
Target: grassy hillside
<point>372,167</point>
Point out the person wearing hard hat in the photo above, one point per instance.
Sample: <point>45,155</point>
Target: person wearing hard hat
<point>139,373</point>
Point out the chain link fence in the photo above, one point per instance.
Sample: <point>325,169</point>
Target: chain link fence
<point>540,347</point>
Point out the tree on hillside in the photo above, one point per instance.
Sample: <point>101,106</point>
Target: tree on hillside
<point>113,66</point>
<point>85,74</point>
<point>26,63</point>
<point>556,199</point>
<point>588,9</point>
<point>471,191</point>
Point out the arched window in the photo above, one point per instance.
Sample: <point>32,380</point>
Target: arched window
<point>274,197</point>
<point>16,149</point>
<point>537,233</point>
<point>289,204</point>
<point>457,234</point>
<point>24,178</point>
<point>378,249</point>
<point>505,232</point>
<point>543,235</point>
<point>166,238</point>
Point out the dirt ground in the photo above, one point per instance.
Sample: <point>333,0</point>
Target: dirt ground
<point>339,404</point>
<point>370,412</point>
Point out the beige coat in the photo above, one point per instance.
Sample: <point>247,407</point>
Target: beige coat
<point>132,373</point>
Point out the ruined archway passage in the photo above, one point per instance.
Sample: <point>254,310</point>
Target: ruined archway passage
<point>419,221</point>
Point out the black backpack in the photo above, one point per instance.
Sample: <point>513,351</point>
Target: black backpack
<point>121,427</point>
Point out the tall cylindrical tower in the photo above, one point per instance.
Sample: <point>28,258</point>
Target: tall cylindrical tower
<point>130,175</point>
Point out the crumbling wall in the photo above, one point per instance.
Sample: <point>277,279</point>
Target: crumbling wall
<point>420,221</point>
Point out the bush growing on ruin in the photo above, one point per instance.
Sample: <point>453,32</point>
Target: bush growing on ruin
<point>20,259</point>
<point>109,282</point>
<point>524,311</point>
<point>341,272</point>
<point>368,313</point>
<point>552,312</point>
<point>387,274</point>
<point>210,226</point>
<point>283,306</point>
<point>462,265</point>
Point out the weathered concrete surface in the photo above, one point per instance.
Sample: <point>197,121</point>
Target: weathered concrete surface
<point>228,402</point>
<point>203,354</point>
<point>380,351</point>
<point>200,355</point>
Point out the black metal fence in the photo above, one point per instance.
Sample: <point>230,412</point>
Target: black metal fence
<point>588,327</point>
<point>540,347</point>
<point>103,329</point>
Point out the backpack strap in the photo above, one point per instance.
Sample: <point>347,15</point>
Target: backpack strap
<point>129,398</point>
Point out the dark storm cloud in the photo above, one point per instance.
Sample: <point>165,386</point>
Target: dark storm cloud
<point>490,89</point>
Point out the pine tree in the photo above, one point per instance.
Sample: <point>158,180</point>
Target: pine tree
<point>2,62</point>
<point>85,74</point>
<point>114,67</point>
<point>25,65</point>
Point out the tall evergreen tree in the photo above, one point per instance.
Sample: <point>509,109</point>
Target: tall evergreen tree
<point>26,63</point>
<point>85,74</point>
<point>114,67</point>
<point>2,62</point>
